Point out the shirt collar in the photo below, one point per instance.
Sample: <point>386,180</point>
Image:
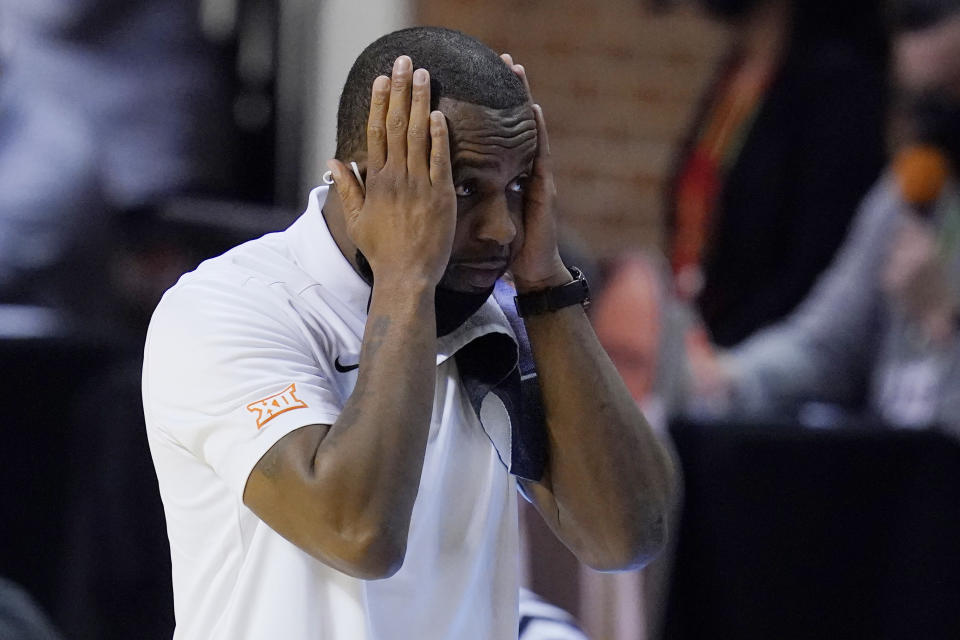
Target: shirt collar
<point>319,255</point>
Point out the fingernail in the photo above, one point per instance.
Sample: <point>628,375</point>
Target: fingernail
<point>420,76</point>
<point>402,64</point>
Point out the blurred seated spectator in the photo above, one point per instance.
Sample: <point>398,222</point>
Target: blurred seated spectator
<point>105,105</point>
<point>787,140</point>
<point>641,326</point>
<point>881,325</point>
<point>50,201</point>
<point>107,109</point>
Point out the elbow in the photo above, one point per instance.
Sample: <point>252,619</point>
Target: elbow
<point>373,555</point>
<point>379,560</point>
<point>647,544</point>
<point>632,546</point>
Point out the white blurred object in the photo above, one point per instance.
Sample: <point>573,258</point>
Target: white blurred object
<point>218,19</point>
<point>19,322</point>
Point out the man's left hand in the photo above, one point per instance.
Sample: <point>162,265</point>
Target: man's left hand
<point>537,265</point>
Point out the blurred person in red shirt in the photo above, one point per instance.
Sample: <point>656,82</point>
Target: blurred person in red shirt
<point>787,140</point>
<point>881,322</point>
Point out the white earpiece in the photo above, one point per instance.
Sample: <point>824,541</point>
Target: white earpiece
<point>328,176</point>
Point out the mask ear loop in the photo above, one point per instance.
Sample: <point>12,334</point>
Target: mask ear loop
<point>328,177</point>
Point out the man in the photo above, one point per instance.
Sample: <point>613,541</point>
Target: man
<point>330,462</point>
<point>884,316</point>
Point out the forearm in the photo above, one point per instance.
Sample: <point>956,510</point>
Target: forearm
<point>345,493</point>
<point>611,479</point>
<point>368,466</point>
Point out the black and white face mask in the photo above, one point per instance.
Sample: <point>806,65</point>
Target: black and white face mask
<point>452,307</point>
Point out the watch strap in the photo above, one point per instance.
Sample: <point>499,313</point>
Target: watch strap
<point>577,291</point>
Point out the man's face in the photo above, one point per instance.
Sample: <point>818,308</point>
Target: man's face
<point>929,59</point>
<point>492,153</point>
<point>927,68</point>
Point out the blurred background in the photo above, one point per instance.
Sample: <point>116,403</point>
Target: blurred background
<point>761,192</point>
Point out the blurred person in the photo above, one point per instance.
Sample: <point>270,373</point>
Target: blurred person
<point>787,140</point>
<point>641,327</point>
<point>882,321</point>
<point>105,106</point>
<point>329,407</point>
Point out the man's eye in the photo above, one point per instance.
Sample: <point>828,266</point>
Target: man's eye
<point>465,190</point>
<point>519,185</point>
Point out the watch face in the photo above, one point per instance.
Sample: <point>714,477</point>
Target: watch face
<point>582,280</point>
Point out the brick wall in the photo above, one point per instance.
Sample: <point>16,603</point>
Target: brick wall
<point>617,83</point>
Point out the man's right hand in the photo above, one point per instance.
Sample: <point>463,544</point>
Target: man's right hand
<point>405,221</point>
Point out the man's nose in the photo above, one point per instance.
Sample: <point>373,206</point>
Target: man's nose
<point>496,224</point>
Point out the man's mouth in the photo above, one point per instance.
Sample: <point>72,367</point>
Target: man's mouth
<point>481,274</point>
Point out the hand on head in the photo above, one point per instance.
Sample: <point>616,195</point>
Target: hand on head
<point>538,263</point>
<point>404,222</point>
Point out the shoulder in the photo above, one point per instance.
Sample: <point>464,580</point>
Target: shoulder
<point>241,303</point>
<point>248,283</point>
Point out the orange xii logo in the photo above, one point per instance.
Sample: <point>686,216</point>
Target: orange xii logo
<point>272,406</point>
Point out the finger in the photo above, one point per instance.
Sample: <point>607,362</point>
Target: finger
<point>418,131</point>
<point>521,71</point>
<point>398,114</point>
<point>543,140</point>
<point>376,125</point>
<point>440,172</point>
<point>351,195</point>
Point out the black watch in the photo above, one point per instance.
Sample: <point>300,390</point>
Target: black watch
<point>574,292</point>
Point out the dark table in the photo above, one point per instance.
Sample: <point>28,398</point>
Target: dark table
<point>790,532</point>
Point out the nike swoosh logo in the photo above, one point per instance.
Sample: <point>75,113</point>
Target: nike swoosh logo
<point>344,368</point>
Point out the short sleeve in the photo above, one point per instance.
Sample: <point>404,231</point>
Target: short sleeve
<point>228,372</point>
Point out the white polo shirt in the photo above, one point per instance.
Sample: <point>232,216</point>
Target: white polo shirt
<point>244,350</point>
